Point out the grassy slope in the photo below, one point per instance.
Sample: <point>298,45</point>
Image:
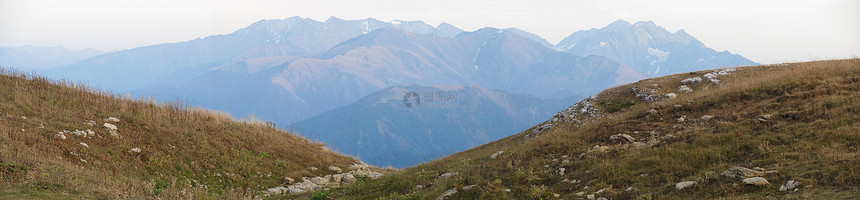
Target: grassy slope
<point>186,153</point>
<point>813,137</point>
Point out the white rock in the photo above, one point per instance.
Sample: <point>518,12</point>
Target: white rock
<point>707,117</point>
<point>134,150</point>
<point>684,89</point>
<point>685,184</point>
<point>622,136</point>
<point>741,172</point>
<point>561,171</point>
<point>590,196</point>
<point>652,111</point>
<point>84,144</point>
<point>312,168</point>
<point>757,181</point>
<point>628,189</point>
<point>61,135</point>
<point>693,80</point>
<point>671,95</point>
<point>112,119</point>
<point>790,185</point>
<point>681,119</point>
<point>446,175</point>
<point>580,194</point>
<point>496,154</point>
<point>336,169</point>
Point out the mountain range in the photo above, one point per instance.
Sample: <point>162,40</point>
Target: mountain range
<point>289,71</point>
<point>41,58</point>
<point>648,48</point>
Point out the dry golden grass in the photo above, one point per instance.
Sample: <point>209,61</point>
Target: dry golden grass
<point>813,136</point>
<point>186,152</point>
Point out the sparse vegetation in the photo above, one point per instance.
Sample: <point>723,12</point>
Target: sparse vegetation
<point>182,152</point>
<point>798,119</point>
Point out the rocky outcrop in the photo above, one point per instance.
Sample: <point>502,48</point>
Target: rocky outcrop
<point>309,184</point>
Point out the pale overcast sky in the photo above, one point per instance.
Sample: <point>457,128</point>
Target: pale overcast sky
<point>768,31</point>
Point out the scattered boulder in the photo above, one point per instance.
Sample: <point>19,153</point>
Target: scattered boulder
<point>757,181</point>
<point>684,89</point>
<point>671,95</point>
<point>693,80</point>
<point>622,136</point>
<point>685,184</point>
<point>335,169</point>
<point>790,185</point>
<point>496,154</point>
<point>707,117</point>
<point>289,181</point>
<point>741,172</point>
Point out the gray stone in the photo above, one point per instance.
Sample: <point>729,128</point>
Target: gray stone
<point>757,181</point>
<point>348,179</point>
<point>671,95</point>
<point>496,154</point>
<point>693,80</point>
<point>335,169</point>
<point>684,89</point>
<point>685,184</point>
<point>741,172</point>
<point>622,136</point>
<point>707,117</point>
<point>790,185</point>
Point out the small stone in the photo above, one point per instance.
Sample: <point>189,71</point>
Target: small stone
<point>682,119</point>
<point>312,168</point>
<point>61,135</point>
<point>622,136</point>
<point>757,181</point>
<point>684,89</point>
<point>134,150</point>
<point>112,119</point>
<point>289,181</point>
<point>707,117</point>
<point>628,189</point>
<point>556,195</point>
<point>693,80</point>
<point>507,190</point>
<point>741,172</point>
<point>446,175</point>
<point>590,196</point>
<point>764,118</point>
<point>671,95</point>
<point>580,194</point>
<point>496,154</point>
<point>790,185</point>
<point>84,144</point>
<point>685,184</point>
<point>652,111</point>
<point>561,171</point>
<point>335,169</point>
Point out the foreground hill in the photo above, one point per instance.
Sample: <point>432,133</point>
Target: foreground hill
<point>737,133</point>
<point>67,141</point>
<point>381,130</point>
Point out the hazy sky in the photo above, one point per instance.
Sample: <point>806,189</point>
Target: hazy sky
<point>764,31</point>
